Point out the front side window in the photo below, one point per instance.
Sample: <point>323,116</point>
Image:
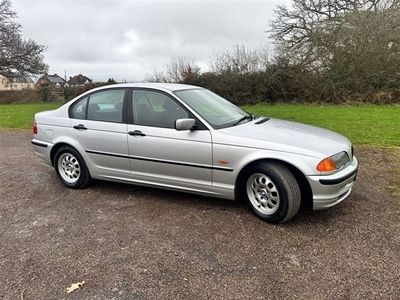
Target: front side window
<point>106,106</point>
<point>156,109</point>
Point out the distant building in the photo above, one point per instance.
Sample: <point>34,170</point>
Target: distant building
<point>54,81</point>
<point>79,80</point>
<point>15,83</point>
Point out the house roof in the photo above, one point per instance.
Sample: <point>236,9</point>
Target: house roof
<point>79,80</point>
<point>55,78</point>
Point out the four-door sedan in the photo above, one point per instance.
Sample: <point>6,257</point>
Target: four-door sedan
<point>187,138</point>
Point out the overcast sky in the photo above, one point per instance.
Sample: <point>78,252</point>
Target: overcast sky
<point>128,40</point>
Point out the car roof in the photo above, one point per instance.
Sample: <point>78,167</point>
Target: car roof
<point>160,86</point>
<point>166,87</point>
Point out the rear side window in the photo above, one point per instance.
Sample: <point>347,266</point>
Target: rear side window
<point>106,106</point>
<point>78,110</point>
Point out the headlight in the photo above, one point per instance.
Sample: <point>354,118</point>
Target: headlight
<point>334,162</point>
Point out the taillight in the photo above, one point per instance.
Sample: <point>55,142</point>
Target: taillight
<point>34,128</point>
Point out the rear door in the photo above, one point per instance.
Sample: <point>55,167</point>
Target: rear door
<point>159,153</point>
<point>99,126</point>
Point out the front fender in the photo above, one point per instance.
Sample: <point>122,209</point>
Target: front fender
<point>237,158</point>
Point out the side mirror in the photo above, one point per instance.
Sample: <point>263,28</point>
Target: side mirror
<point>184,124</point>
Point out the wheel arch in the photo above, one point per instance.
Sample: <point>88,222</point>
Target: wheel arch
<point>304,185</point>
<point>56,147</point>
<point>66,140</point>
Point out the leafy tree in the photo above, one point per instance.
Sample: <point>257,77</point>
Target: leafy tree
<point>111,81</point>
<point>45,92</point>
<point>67,93</point>
<point>18,57</point>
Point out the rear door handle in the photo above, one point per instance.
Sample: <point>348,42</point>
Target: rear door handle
<point>80,127</point>
<point>136,132</point>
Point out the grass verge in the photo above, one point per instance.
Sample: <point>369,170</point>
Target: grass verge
<point>377,125</point>
<point>20,116</point>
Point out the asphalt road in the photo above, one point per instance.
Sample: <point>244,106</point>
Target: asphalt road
<point>129,242</point>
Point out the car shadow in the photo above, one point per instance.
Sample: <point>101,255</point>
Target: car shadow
<point>204,203</point>
<point>163,195</point>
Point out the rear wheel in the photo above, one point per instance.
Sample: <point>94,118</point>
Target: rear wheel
<point>71,168</point>
<point>272,192</point>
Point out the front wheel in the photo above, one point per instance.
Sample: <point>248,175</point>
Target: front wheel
<point>71,168</point>
<point>272,192</point>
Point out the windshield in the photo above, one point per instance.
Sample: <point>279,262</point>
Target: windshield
<point>217,111</point>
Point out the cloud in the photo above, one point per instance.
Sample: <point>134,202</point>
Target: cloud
<point>128,39</point>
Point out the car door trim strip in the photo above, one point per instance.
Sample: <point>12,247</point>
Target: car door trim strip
<point>171,162</point>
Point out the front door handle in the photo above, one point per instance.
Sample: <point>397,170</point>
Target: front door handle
<point>80,127</point>
<point>136,132</point>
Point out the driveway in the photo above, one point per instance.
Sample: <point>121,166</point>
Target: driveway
<point>129,242</point>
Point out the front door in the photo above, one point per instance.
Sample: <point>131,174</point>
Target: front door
<point>159,153</point>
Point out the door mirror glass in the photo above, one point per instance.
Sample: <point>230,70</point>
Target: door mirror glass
<point>184,124</point>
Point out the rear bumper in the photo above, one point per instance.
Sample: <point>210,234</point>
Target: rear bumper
<point>42,150</point>
<point>329,190</point>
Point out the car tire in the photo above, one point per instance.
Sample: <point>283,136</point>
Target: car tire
<point>272,192</point>
<point>71,168</point>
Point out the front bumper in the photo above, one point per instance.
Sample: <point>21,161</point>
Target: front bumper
<point>329,190</point>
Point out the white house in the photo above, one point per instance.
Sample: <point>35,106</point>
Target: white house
<point>15,83</point>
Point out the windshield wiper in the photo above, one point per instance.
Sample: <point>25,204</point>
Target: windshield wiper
<point>250,117</point>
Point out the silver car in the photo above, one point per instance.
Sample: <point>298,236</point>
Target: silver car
<point>187,138</point>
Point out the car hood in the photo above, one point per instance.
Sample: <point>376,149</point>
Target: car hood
<point>287,136</point>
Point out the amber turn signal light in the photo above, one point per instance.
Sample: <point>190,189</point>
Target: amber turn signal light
<point>326,165</point>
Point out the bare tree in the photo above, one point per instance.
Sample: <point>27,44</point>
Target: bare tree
<point>156,76</point>
<point>181,69</point>
<point>351,46</point>
<point>18,57</point>
<point>311,30</point>
<point>240,60</point>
